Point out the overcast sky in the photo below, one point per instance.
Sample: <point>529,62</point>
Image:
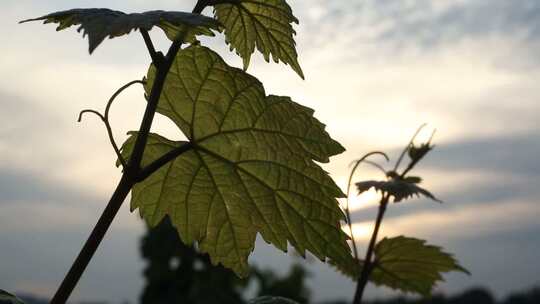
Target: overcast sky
<point>375,70</point>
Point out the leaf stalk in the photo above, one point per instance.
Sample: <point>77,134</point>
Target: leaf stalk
<point>368,263</point>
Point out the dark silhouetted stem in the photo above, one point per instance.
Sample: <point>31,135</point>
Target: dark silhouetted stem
<point>157,58</point>
<point>95,238</point>
<point>131,172</point>
<point>167,157</point>
<point>368,263</point>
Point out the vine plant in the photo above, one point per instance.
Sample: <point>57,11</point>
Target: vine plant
<point>249,164</point>
<point>403,263</point>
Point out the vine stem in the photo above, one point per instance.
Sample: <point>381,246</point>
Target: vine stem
<point>129,177</point>
<point>368,263</point>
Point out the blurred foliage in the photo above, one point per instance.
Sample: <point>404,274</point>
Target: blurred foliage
<point>471,296</point>
<point>8,298</point>
<point>291,286</point>
<point>177,273</point>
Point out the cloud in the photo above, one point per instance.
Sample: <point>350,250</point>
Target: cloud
<point>470,221</point>
<point>484,171</point>
<point>44,222</point>
<point>429,22</point>
<point>464,19</point>
<point>507,154</point>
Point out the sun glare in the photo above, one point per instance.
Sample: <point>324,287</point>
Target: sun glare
<point>362,231</point>
<point>365,200</point>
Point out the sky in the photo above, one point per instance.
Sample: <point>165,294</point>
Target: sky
<point>375,70</point>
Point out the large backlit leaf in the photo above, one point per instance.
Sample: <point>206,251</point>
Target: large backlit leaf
<point>265,24</point>
<point>100,23</point>
<point>7,298</point>
<point>408,264</point>
<point>251,170</point>
<point>400,189</point>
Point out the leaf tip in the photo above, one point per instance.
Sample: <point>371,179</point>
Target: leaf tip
<point>299,71</point>
<point>30,19</point>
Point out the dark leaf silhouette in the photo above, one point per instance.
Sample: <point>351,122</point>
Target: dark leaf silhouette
<point>408,264</point>
<point>400,189</point>
<point>100,23</point>
<point>417,153</point>
<point>265,24</point>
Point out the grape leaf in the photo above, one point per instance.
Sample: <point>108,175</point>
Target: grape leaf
<point>251,169</point>
<point>7,298</point>
<point>265,24</point>
<point>100,23</point>
<point>400,189</point>
<point>408,264</point>
<point>351,267</point>
<point>404,263</point>
<point>271,300</point>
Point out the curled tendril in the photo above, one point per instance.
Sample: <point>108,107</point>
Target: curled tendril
<point>347,211</point>
<point>372,163</point>
<point>90,112</point>
<point>105,118</point>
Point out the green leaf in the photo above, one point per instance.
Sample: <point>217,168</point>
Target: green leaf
<point>100,23</point>
<point>271,300</point>
<point>7,298</point>
<point>251,169</point>
<point>265,24</point>
<point>350,267</point>
<point>398,188</point>
<point>408,264</point>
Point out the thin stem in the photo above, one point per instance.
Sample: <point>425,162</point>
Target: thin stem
<point>409,168</point>
<point>347,211</point>
<point>201,5</point>
<point>407,146</point>
<point>368,263</point>
<point>95,238</point>
<point>160,162</point>
<point>146,124</point>
<point>157,58</point>
<point>127,181</point>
